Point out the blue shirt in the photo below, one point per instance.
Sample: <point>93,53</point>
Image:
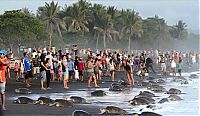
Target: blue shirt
<point>70,65</point>
<point>26,62</point>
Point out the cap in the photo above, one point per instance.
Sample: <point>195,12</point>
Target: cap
<point>4,52</point>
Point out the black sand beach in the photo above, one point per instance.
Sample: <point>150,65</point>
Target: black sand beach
<point>57,87</point>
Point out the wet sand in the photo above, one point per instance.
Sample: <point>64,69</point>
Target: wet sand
<point>57,87</point>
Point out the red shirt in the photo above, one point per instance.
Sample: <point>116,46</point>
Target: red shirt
<point>81,66</point>
<point>2,72</point>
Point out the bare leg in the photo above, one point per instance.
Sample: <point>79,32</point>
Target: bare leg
<point>3,101</point>
<point>128,78</point>
<point>89,81</point>
<point>95,81</point>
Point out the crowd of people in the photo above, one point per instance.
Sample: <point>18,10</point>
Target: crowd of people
<point>86,64</point>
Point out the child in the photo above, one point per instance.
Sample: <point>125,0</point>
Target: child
<point>16,70</point>
<point>81,69</point>
<point>60,72</point>
<point>180,66</point>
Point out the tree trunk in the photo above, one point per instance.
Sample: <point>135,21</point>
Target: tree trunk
<point>104,40</point>
<point>50,39</point>
<point>129,45</point>
<point>97,42</point>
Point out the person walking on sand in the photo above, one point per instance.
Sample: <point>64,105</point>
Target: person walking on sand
<point>3,64</point>
<point>90,71</point>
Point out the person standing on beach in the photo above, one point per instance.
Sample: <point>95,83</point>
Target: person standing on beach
<point>70,64</point>
<point>163,65</point>
<point>111,66</point>
<point>3,65</point>
<point>27,69</point>
<point>149,64</point>
<point>65,71</point>
<point>173,67</point>
<point>129,72</point>
<point>42,72</point>
<point>48,72</point>
<point>81,69</point>
<point>179,67</point>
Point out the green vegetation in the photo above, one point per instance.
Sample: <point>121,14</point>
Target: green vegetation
<point>87,25</point>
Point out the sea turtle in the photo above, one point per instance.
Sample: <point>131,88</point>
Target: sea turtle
<point>124,84</point>
<point>174,98</point>
<point>147,93</point>
<point>45,100</point>
<point>62,103</point>
<point>174,91</point>
<point>24,100</point>
<point>157,88</point>
<point>149,114</point>
<point>139,101</point>
<point>112,110</point>
<point>159,81</point>
<point>116,88</point>
<point>193,76</point>
<point>76,99</point>
<point>98,93</point>
<point>163,100</point>
<point>146,97</point>
<point>23,91</point>
<point>80,113</point>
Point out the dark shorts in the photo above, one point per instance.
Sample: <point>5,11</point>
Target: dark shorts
<point>28,74</point>
<point>179,70</point>
<point>80,73</point>
<point>71,72</point>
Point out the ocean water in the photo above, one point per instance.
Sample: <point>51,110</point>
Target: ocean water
<point>189,106</point>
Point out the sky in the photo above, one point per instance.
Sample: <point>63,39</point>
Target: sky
<point>170,10</point>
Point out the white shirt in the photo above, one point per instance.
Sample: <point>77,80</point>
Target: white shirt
<point>173,64</point>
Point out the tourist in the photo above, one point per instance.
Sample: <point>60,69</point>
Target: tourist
<point>3,64</point>
<point>27,69</point>
<point>48,72</point>
<point>65,69</point>
<point>179,67</point>
<point>111,66</point>
<point>149,64</point>
<point>16,70</point>
<point>129,72</point>
<point>70,64</point>
<point>90,71</point>
<point>173,67</point>
<point>163,65</point>
<point>80,69</point>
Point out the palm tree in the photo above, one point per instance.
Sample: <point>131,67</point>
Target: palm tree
<point>76,17</point>
<point>163,30</point>
<point>132,26</point>
<point>96,10</point>
<point>180,29</point>
<point>49,15</point>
